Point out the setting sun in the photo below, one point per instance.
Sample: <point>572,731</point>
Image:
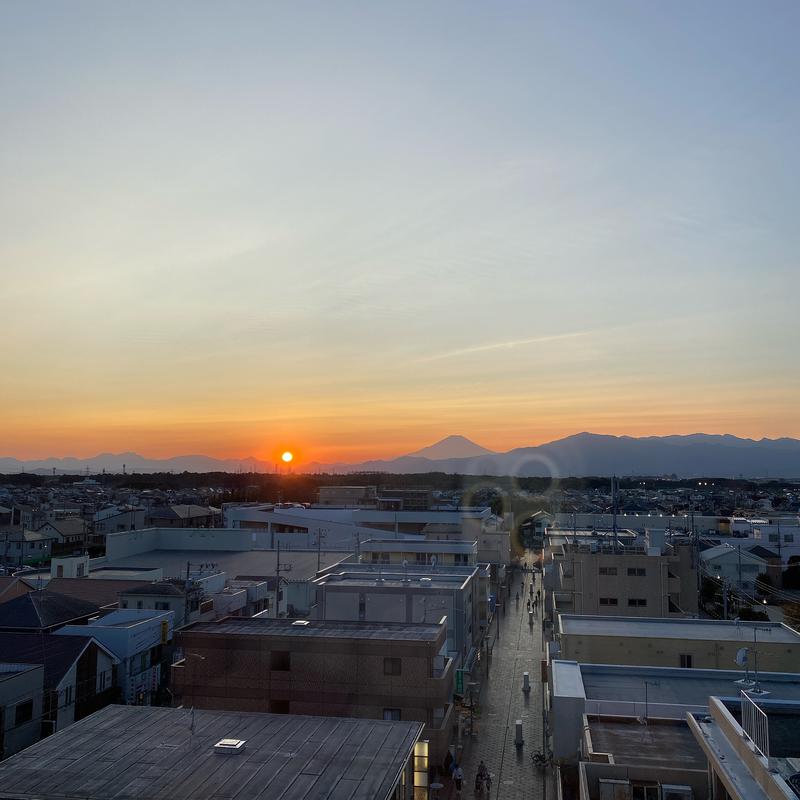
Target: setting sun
<point>287,456</point>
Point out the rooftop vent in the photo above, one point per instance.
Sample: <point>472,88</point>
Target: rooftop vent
<point>229,747</point>
<point>300,623</point>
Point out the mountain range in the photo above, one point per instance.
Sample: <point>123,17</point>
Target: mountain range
<point>697,454</point>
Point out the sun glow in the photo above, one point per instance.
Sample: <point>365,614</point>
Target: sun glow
<point>287,457</point>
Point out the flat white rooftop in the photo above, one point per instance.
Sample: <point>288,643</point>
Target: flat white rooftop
<point>657,628</point>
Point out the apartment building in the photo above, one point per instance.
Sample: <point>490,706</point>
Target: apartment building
<point>377,670</point>
<point>419,553</point>
<point>687,643</point>
<point>375,593</point>
<point>632,578</point>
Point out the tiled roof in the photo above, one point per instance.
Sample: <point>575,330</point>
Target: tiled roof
<point>43,609</point>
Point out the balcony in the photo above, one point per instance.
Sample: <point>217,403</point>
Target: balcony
<point>442,681</point>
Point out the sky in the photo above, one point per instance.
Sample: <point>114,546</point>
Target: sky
<point>350,229</point>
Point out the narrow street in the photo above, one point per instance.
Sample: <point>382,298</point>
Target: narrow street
<point>516,648</point>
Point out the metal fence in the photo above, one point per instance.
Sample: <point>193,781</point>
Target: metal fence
<point>755,724</point>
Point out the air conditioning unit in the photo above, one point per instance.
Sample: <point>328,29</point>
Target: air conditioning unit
<point>612,789</point>
<point>672,791</point>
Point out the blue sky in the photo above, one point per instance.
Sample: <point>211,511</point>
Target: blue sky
<point>361,226</point>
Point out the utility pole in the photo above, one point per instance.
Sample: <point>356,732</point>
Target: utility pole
<point>739,550</point>
<point>321,534</point>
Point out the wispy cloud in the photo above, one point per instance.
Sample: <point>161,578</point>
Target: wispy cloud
<point>510,345</point>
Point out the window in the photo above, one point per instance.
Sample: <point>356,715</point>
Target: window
<point>138,604</point>
<point>23,712</point>
<point>608,570</point>
<point>773,537</point>
<point>788,537</point>
<point>638,572</point>
<point>391,666</point>
<point>686,660</point>
<point>637,602</point>
<point>362,607</point>
<point>162,606</point>
<point>68,696</point>
<point>391,714</point>
<point>608,601</point>
<point>280,660</point>
<point>422,558</point>
<point>60,571</point>
<point>102,681</point>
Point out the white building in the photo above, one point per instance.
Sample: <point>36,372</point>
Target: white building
<point>136,638</point>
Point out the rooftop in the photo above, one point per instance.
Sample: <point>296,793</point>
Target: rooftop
<point>662,628</point>
<point>38,610</point>
<point>655,744</point>
<point>670,690</point>
<point>145,753</point>
<point>253,563</point>
<point>261,626</point>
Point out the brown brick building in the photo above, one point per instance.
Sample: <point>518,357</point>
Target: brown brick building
<point>375,670</point>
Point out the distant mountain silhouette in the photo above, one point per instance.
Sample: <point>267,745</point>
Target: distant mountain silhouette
<point>451,447</point>
<point>698,454</point>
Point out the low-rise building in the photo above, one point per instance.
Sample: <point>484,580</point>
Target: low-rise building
<point>182,516</point>
<point>686,643</point>
<point>152,753</point>
<point>752,748</point>
<point>374,593</point>
<point>25,548</point>
<point>630,577</point>
<point>419,553</point>
<point>378,670</point>
<point>78,674</point>
<point>21,693</point>
<point>41,611</point>
<point>141,641</point>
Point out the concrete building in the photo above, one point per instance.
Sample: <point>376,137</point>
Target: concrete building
<point>686,643</point>
<point>21,693</point>
<point>140,641</point>
<point>116,519</point>
<point>373,593</point>
<point>153,753</point>
<point>605,691</point>
<point>752,749</point>
<point>443,553</point>
<point>345,528</point>
<point>182,516</point>
<point>641,578</point>
<point>377,670</point>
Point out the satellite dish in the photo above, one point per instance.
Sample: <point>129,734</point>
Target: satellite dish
<point>741,656</point>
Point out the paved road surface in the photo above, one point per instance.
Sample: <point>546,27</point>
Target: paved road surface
<point>517,648</point>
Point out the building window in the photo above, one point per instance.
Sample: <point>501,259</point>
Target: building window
<point>391,714</point>
<point>637,572</point>
<point>280,660</point>
<point>637,602</point>
<point>391,666</point>
<point>773,537</point>
<point>68,696</point>
<point>138,604</point>
<point>23,712</point>
<point>60,571</point>
<point>362,607</point>
<point>102,681</point>
<point>686,660</point>
<point>788,537</point>
<point>162,606</point>
<point>608,601</point>
<point>608,570</point>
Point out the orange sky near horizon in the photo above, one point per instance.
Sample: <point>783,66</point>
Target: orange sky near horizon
<point>349,230</point>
